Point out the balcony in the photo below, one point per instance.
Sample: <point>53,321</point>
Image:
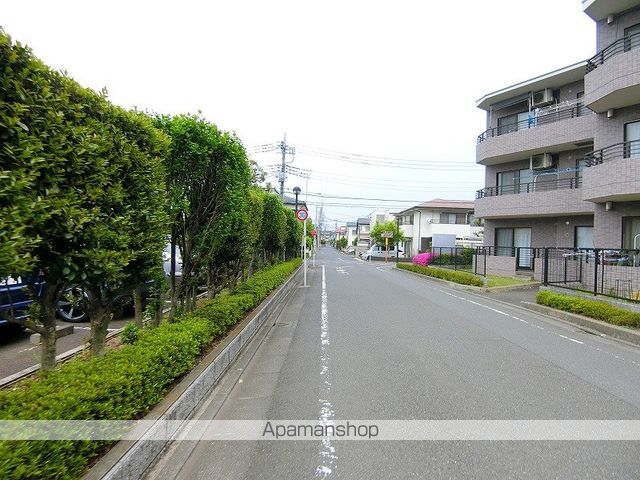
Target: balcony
<point>559,127</point>
<point>613,173</point>
<point>613,76</point>
<point>561,196</point>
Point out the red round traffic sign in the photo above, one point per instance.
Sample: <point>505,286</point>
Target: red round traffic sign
<point>302,215</point>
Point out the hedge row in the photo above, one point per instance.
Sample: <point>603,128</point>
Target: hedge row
<point>124,384</point>
<point>463,278</point>
<point>589,308</point>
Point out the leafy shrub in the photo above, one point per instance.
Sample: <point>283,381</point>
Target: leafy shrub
<point>589,308</point>
<point>122,385</point>
<point>130,334</point>
<point>423,259</point>
<point>463,278</point>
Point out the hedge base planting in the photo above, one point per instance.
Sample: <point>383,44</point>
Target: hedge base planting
<point>124,384</point>
<point>463,278</point>
<point>589,308</point>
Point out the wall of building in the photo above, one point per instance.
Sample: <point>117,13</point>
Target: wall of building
<point>566,160</point>
<point>610,131</point>
<point>568,92</point>
<point>545,231</point>
<point>607,34</point>
<point>607,231</point>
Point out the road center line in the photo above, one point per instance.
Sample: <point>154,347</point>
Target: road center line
<point>327,451</point>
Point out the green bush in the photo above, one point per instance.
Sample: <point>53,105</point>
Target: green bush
<point>589,308</point>
<point>124,384</point>
<point>463,278</point>
<point>130,334</point>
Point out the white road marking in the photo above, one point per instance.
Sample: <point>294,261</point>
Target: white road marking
<point>327,451</point>
<point>571,339</point>
<point>342,270</point>
<point>539,327</point>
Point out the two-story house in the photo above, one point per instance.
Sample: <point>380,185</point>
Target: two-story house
<point>420,222</point>
<point>561,151</point>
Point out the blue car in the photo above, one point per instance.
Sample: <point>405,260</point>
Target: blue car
<point>14,297</point>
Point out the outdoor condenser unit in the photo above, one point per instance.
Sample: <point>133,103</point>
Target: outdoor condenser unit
<point>541,161</point>
<point>542,98</point>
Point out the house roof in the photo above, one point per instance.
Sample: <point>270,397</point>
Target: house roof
<point>555,79</point>
<point>286,200</point>
<point>351,224</point>
<point>363,221</point>
<point>440,203</point>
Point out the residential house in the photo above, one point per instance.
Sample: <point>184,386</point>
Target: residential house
<point>420,222</point>
<point>561,151</point>
<point>363,234</point>
<point>351,232</point>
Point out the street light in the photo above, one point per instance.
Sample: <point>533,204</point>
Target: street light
<point>297,191</point>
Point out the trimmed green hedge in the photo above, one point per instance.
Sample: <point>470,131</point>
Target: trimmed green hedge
<point>124,384</point>
<point>463,278</point>
<point>589,308</point>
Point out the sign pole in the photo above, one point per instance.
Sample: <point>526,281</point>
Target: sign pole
<point>386,251</point>
<point>304,252</point>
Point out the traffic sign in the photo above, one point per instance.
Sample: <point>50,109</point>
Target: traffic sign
<point>302,215</point>
<point>387,234</point>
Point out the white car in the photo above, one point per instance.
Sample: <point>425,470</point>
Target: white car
<point>166,261</point>
<point>377,251</point>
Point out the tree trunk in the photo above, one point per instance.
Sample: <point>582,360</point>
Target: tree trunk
<point>137,304</point>
<point>99,315</point>
<point>47,329</point>
<point>99,325</point>
<point>172,278</point>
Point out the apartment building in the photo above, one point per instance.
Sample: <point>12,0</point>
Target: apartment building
<point>420,222</point>
<point>561,150</point>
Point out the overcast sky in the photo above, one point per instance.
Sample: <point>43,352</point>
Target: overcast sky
<point>394,79</point>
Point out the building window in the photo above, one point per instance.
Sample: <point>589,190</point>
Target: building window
<point>631,232</point>
<point>632,37</point>
<point>583,237</point>
<point>453,218</point>
<point>512,123</point>
<point>632,139</point>
<point>512,242</point>
<point>514,181</point>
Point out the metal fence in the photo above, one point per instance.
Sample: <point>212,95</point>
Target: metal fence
<point>469,259</point>
<point>609,272</point>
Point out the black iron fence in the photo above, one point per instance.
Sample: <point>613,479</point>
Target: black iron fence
<point>470,259</point>
<point>619,46</point>
<point>609,272</point>
<point>561,113</point>
<point>613,152</point>
<point>537,186</point>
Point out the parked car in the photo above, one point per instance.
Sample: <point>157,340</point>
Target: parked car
<point>72,301</point>
<point>378,251</point>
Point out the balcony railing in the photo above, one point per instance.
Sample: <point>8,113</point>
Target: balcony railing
<point>551,114</point>
<point>613,152</point>
<point>619,46</point>
<point>536,186</point>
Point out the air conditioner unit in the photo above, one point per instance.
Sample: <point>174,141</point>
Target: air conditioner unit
<point>542,98</point>
<point>541,161</point>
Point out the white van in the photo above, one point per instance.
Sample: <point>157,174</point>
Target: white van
<point>377,251</point>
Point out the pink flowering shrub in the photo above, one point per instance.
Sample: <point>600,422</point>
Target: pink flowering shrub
<point>423,259</point>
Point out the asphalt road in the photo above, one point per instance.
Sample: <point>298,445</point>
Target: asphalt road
<point>385,345</point>
<point>17,353</point>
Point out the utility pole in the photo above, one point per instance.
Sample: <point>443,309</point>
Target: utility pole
<point>284,149</point>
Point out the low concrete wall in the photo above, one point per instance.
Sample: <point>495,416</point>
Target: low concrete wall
<point>142,454</point>
<point>503,266</point>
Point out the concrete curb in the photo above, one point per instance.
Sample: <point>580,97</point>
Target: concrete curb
<point>471,288</point>
<point>598,326</point>
<point>128,460</point>
<point>62,357</point>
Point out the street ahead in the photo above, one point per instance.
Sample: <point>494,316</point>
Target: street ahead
<point>378,344</point>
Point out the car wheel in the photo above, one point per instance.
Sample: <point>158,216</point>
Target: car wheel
<point>72,304</point>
